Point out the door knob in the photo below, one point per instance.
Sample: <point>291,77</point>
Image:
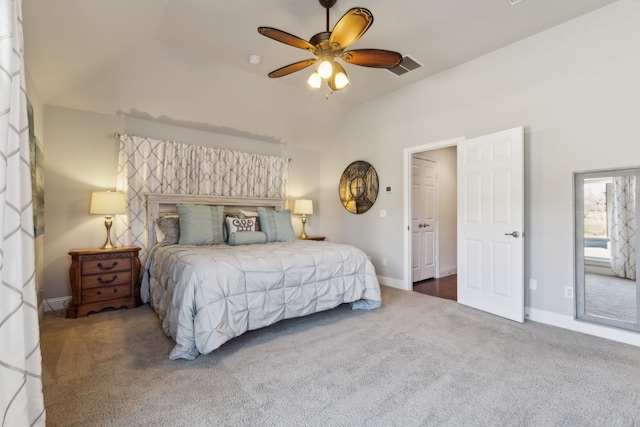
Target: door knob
<point>514,234</point>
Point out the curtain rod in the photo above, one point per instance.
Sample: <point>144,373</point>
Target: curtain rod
<point>118,135</point>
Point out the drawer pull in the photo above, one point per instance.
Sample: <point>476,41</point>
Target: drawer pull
<point>101,280</point>
<point>102,267</point>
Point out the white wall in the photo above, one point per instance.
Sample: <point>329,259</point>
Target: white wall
<point>158,82</point>
<point>576,90</point>
<point>82,157</point>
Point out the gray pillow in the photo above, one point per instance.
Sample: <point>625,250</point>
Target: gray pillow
<point>201,224</point>
<point>170,227</point>
<point>276,225</point>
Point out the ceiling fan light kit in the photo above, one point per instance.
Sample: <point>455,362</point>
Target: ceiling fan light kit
<point>325,70</point>
<point>338,79</point>
<point>315,81</point>
<point>330,45</point>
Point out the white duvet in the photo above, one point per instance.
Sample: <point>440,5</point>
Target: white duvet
<point>207,295</point>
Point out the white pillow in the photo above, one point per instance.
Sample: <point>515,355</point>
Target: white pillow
<point>252,214</point>
<point>239,225</point>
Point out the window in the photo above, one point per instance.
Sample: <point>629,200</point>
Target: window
<point>597,208</point>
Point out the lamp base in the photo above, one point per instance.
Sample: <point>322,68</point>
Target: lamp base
<point>304,221</point>
<point>107,243</point>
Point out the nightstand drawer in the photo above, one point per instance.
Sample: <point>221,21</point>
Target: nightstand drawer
<point>109,279</point>
<point>106,265</point>
<point>106,293</point>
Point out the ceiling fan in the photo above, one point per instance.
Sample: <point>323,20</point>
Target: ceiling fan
<point>330,45</point>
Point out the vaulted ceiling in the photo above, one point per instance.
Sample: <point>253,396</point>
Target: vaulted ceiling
<point>186,61</point>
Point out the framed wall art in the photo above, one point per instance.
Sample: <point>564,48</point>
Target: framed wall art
<point>358,187</point>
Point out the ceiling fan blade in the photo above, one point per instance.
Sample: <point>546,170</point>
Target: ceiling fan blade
<point>376,58</point>
<point>292,68</point>
<point>286,38</point>
<point>350,27</point>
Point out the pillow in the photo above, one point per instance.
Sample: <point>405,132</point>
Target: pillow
<point>247,238</point>
<point>251,214</point>
<point>239,225</point>
<point>201,224</point>
<point>276,225</point>
<point>168,230</point>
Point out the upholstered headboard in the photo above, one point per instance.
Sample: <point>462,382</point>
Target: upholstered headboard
<point>159,205</point>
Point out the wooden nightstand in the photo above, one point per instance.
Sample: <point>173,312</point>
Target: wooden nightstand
<point>317,238</point>
<point>102,278</point>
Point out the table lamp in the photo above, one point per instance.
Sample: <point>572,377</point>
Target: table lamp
<point>107,203</point>
<point>303,207</point>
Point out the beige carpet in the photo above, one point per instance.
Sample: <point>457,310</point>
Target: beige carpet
<point>611,297</point>
<point>417,361</point>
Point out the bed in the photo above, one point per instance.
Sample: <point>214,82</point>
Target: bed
<point>206,294</point>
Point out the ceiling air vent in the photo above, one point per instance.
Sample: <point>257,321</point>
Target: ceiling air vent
<point>407,64</point>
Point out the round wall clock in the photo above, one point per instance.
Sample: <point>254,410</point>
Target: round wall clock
<point>358,187</point>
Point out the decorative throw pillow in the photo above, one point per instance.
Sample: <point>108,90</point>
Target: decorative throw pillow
<point>251,214</point>
<point>276,225</point>
<point>168,230</point>
<point>201,224</point>
<point>238,225</point>
<point>247,238</point>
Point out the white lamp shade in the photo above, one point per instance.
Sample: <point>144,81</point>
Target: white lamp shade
<point>315,80</point>
<point>339,79</point>
<point>303,207</point>
<point>107,203</point>
<point>325,70</point>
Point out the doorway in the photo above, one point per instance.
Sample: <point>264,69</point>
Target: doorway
<point>434,222</point>
<point>489,221</point>
<point>442,287</point>
<point>424,217</point>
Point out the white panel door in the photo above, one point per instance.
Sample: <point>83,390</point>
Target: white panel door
<point>424,221</point>
<point>491,223</point>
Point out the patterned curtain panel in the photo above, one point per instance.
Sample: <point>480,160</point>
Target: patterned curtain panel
<point>148,165</point>
<point>623,227</point>
<point>21,399</point>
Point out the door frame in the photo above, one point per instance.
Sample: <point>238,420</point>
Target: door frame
<point>407,160</point>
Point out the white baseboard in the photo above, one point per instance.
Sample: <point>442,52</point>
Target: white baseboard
<point>448,271</point>
<point>391,282</point>
<point>568,322</point>
<point>60,303</point>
